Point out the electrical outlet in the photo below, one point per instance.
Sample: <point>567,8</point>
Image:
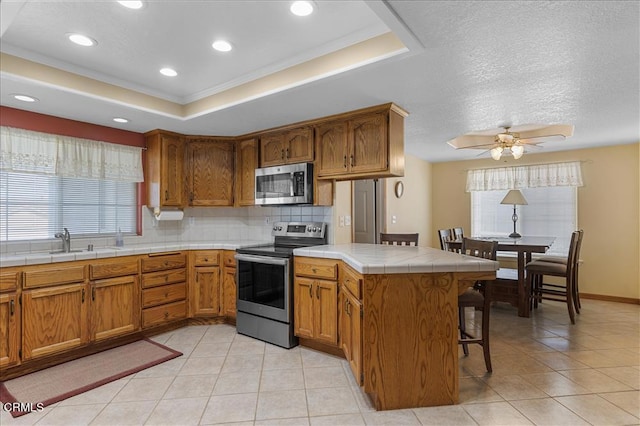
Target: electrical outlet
<point>394,219</point>
<point>347,220</point>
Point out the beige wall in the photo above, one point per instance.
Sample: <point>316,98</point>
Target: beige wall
<point>413,209</point>
<point>608,211</point>
<point>341,207</point>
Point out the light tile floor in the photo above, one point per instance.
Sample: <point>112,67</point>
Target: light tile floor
<point>546,372</point>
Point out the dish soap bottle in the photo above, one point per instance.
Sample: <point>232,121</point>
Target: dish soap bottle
<point>119,240</point>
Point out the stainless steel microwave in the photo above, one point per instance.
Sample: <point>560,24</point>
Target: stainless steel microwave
<point>286,184</point>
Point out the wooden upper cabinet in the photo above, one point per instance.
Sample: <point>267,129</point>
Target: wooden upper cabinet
<point>332,148</point>
<point>362,145</point>
<point>291,146</point>
<point>211,172</point>
<point>368,140</point>
<point>164,172</point>
<point>246,164</point>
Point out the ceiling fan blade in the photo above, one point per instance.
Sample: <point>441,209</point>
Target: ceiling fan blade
<point>565,130</point>
<point>542,139</point>
<point>472,141</point>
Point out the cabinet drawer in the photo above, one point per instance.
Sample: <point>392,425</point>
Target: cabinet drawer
<point>54,275</point>
<point>206,258</point>
<point>163,262</point>
<point>111,269</point>
<point>163,294</point>
<point>153,279</point>
<point>351,280</point>
<point>229,258</point>
<point>318,268</point>
<point>164,313</point>
<point>9,281</point>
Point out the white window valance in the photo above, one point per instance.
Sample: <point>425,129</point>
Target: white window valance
<point>519,177</point>
<point>25,151</point>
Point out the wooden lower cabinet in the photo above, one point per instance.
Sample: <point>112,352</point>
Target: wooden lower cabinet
<point>315,309</point>
<point>229,292</point>
<point>350,319</point>
<point>205,298</point>
<point>115,307</point>
<point>9,337</point>
<point>54,319</point>
<point>164,288</point>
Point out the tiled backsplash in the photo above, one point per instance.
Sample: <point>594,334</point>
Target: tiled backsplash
<point>198,225</point>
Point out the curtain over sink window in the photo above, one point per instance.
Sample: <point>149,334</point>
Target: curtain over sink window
<point>48,182</point>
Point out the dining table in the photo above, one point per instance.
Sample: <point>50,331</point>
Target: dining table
<point>524,247</point>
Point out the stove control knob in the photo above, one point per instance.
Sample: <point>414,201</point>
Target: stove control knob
<point>279,228</point>
<point>275,228</point>
<point>309,228</point>
<point>315,229</point>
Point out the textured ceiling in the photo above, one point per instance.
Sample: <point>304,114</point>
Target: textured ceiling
<point>466,66</point>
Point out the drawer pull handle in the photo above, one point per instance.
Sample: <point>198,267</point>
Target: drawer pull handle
<point>83,295</point>
<point>345,162</point>
<point>206,259</point>
<point>311,291</point>
<point>93,294</point>
<point>166,295</point>
<point>315,271</point>
<point>166,315</point>
<point>166,278</point>
<point>12,307</point>
<point>318,292</point>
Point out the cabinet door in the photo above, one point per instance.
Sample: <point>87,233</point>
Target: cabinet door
<point>272,150</point>
<point>325,313</point>
<point>114,307</point>
<point>332,149</point>
<point>9,319</point>
<point>247,162</point>
<point>211,173</point>
<point>298,145</point>
<point>303,307</point>
<point>352,327</point>
<point>54,319</point>
<point>368,140</point>
<point>206,295</point>
<point>229,292</point>
<point>171,175</point>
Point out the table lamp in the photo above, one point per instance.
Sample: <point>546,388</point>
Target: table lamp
<point>516,198</point>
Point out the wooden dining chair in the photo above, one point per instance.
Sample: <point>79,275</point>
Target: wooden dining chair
<point>445,235</point>
<point>399,239</point>
<point>458,233</point>
<point>563,260</point>
<point>541,290</point>
<point>477,297</point>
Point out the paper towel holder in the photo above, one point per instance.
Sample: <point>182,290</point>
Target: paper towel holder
<point>167,214</point>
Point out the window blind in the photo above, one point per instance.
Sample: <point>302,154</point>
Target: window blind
<point>34,206</point>
<point>552,211</point>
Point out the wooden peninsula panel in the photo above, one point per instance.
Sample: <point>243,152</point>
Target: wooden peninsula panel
<point>410,347</point>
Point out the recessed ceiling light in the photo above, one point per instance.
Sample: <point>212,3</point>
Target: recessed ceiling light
<point>132,4</point>
<point>25,98</point>
<point>222,46</point>
<point>168,72</point>
<point>82,40</point>
<point>120,120</point>
<point>302,8</point>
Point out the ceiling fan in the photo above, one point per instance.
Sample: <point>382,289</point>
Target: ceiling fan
<point>512,140</point>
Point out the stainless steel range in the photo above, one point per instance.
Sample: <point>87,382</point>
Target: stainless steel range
<point>265,282</point>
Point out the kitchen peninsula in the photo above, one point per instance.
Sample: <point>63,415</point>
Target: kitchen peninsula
<point>397,315</point>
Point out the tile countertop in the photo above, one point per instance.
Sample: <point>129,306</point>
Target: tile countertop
<point>104,252</point>
<point>385,259</point>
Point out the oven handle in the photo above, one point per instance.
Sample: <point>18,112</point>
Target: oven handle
<point>262,259</point>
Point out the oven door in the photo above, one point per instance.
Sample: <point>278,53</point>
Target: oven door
<point>264,286</point>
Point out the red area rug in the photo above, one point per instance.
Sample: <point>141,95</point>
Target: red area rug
<point>53,384</point>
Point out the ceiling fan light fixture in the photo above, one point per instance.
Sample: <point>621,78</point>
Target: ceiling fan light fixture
<point>496,152</point>
<point>517,151</point>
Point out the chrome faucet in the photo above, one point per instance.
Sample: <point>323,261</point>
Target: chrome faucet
<point>66,240</point>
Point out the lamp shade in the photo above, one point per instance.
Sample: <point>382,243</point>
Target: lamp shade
<point>514,197</point>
